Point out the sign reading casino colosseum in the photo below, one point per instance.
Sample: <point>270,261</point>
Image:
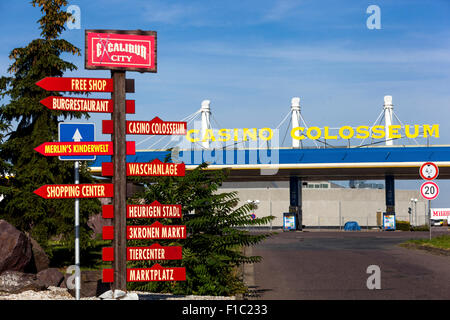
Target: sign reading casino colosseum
<point>128,50</point>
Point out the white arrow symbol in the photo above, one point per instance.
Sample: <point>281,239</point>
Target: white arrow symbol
<point>77,136</point>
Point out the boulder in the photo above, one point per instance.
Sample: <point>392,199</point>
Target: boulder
<point>13,282</point>
<point>50,277</point>
<point>91,283</point>
<point>40,259</point>
<point>15,248</point>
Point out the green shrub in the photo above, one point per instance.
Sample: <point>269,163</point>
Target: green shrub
<point>421,228</point>
<point>402,225</point>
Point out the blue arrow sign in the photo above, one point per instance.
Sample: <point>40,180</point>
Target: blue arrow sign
<point>76,132</point>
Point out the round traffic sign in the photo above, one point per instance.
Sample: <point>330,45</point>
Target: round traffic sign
<point>429,171</point>
<point>429,190</point>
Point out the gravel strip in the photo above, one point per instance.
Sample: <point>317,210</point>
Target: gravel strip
<point>55,293</point>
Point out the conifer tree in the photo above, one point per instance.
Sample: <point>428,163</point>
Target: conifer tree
<point>216,233</point>
<point>32,124</point>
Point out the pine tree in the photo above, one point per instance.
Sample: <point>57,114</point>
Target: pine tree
<point>216,233</point>
<point>34,124</point>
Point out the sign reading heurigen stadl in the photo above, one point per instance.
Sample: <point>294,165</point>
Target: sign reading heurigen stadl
<point>128,50</point>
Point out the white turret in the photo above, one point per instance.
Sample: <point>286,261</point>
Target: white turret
<point>206,124</point>
<point>295,109</point>
<point>388,111</point>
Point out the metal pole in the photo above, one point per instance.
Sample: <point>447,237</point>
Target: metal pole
<point>120,181</point>
<point>340,218</point>
<point>429,215</point>
<point>77,234</point>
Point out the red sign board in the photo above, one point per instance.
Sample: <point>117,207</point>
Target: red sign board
<point>155,273</point>
<point>66,191</point>
<point>75,148</point>
<point>153,127</point>
<point>84,105</point>
<point>156,231</point>
<point>82,148</point>
<point>157,127</point>
<point>153,210</point>
<point>76,84</point>
<point>129,50</point>
<point>154,168</point>
<point>154,252</point>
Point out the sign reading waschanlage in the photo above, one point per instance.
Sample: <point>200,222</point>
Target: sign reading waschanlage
<point>127,50</point>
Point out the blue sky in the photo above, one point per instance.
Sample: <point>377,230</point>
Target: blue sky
<point>251,57</point>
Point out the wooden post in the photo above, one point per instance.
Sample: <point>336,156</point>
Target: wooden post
<point>119,181</point>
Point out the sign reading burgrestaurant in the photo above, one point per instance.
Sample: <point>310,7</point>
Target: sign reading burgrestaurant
<point>128,50</point>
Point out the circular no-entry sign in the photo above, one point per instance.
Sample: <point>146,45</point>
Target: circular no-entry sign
<point>429,190</point>
<point>429,171</point>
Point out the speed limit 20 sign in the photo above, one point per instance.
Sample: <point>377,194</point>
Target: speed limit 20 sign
<point>429,190</point>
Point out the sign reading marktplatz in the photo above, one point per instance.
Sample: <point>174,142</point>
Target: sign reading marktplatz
<point>155,273</point>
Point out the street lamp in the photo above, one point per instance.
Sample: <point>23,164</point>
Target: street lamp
<point>414,202</point>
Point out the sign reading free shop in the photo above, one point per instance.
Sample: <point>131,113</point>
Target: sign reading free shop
<point>127,50</point>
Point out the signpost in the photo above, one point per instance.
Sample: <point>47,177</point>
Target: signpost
<point>118,51</point>
<point>429,190</point>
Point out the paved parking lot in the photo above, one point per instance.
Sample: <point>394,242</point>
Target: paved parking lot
<point>333,265</point>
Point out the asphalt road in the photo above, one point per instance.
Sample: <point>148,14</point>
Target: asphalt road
<point>333,265</point>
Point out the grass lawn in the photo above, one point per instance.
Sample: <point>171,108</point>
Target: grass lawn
<point>442,242</point>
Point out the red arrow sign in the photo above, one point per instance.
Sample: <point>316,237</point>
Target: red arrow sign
<point>153,210</point>
<point>157,127</point>
<point>76,84</point>
<point>155,273</point>
<point>156,231</point>
<point>154,252</point>
<point>84,104</point>
<point>65,191</point>
<point>154,127</point>
<point>75,148</point>
<point>154,168</point>
<point>81,148</point>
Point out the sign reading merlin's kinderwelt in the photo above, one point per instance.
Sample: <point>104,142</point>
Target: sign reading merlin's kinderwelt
<point>121,50</point>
